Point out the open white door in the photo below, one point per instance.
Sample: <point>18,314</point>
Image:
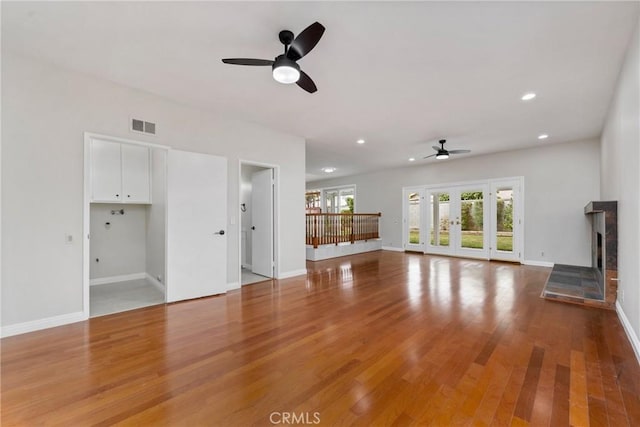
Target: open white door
<point>262,222</point>
<point>196,225</point>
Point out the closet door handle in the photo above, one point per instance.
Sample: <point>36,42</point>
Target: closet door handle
<point>253,227</point>
<point>221,232</point>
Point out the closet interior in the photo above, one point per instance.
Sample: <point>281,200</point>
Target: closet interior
<point>127,226</point>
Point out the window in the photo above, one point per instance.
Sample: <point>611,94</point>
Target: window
<point>331,200</point>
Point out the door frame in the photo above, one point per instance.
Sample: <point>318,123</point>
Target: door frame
<point>488,185</point>
<point>276,215</point>
<point>86,211</point>
<point>518,219</point>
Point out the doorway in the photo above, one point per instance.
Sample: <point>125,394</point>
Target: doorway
<point>125,225</point>
<point>257,222</point>
<point>457,221</point>
<point>482,219</point>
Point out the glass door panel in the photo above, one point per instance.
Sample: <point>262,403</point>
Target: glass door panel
<point>504,219</point>
<point>413,235</point>
<point>472,219</point>
<point>439,222</point>
<point>439,219</point>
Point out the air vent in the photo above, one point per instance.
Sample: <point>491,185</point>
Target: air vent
<point>143,127</point>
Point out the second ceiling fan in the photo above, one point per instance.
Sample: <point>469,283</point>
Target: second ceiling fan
<point>442,153</point>
<point>284,67</point>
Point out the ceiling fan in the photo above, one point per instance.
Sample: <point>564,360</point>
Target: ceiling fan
<point>442,154</point>
<point>284,67</point>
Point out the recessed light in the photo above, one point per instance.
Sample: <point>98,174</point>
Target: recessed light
<point>543,136</point>
<point>412,159</point>
<point>329,170</point>
<point>361,141</point>
<point>528,96</point>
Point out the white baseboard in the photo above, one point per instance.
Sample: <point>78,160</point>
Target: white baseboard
<point>155,282</point>
<point>538,263</point>
<point>233,285</point>
<point>392,248</point>
<point>36,325</point>
<point>633,338</point>
<point>114,279</point>
<point>293,273</point>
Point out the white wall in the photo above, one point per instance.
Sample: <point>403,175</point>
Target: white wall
<point>119,246</point>
<point>156,216</point>
<point>621,178</point>
<point>45,111</point>
<point>559,181</point>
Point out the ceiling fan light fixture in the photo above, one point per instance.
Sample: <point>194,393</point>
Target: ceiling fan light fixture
<point>442,156</point>
<point>285,70</point>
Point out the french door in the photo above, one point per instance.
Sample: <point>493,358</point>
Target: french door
<point>458,221</point>
<point>474,220</point>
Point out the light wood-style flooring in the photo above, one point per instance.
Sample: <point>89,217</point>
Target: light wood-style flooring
<point>375,339</point>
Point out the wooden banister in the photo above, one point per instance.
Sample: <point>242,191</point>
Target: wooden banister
<point>332,228</point>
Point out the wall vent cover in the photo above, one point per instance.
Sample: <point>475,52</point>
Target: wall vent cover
<point>141,126</point>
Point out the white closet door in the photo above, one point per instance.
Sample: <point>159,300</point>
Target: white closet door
<point>135,174</point>
<point>196,221</point>
<point>106,179</point>
<point>262,219</point>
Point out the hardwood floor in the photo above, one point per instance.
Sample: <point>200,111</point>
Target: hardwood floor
<point>382,338</point>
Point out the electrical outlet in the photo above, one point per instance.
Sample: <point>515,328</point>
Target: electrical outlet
<point>542,253</point>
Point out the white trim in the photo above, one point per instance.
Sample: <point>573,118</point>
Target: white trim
<point>155,282</point>
<point>633,338</point>
<point>119,278</point>
<point>538,263</point>
<point>392,248</point>
<point>232,286</point>
<point>89,135</point>
<point>36,325</point>
<point>292,273</point>
<point>276,215</point>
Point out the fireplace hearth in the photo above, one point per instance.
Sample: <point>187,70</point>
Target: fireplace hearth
<point>595,285</point>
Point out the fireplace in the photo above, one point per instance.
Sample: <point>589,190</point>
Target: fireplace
<point>604,246</point>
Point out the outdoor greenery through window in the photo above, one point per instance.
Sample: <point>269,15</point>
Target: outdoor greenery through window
<point>504,219</point>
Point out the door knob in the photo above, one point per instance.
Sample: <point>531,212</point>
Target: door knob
<point>221,232</point>
<point>253,227</point>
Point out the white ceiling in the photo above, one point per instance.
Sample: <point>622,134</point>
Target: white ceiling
<point>398,74</point>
